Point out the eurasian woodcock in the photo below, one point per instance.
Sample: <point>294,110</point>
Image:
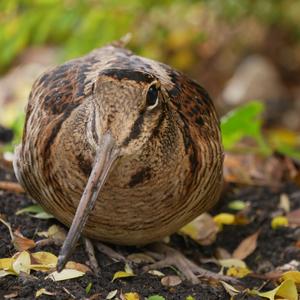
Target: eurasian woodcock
<point>122,148</point>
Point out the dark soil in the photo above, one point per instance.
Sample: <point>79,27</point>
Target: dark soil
<point>275,248</point>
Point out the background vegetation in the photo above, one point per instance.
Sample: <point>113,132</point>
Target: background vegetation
<point>207,39</point>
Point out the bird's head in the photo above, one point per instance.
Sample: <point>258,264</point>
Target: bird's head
<point>128,108</point>
<point>129,105</point>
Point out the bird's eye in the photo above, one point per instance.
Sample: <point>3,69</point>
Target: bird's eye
<point>152,97</point>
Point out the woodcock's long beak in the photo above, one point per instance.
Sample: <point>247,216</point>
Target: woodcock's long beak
<point>107,153</point>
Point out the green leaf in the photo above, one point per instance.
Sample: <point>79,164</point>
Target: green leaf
<point>245,121</point>
<point>156,297</point>
<point>36,212</point>
<point>88,288</point>
<point>30,209</point>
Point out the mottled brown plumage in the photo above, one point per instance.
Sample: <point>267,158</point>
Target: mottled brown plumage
<point>167,164</point>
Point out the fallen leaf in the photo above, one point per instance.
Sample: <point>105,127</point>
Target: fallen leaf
<point>287,290</point>
<point>131,296</point>
<point>237,205</point>
<point>11,295</point>
<point>292,275</point>
<point>232,291</point>
<point>294,217</point>
<point>279,221</point>
<point>284,203</point>
<point>189,297</point>
<point>156,273</point>
<point>246,247</point>
<point>43,261</point>
<point>21,242</point>
<point>88,288</point>
<point>22,263</point>
<point>55,233</point>
<point>30,209</point>
<point>232,262</point>
<point>237,272</point>
<point>139,258</point>
<point>171,280</point>
<point>77,266</point>
<point>156,297</point>
<point>4,273</point>
<point>203,230</point>
<point>43,291</point>
<point>65,274</point>
<point>111,294</point>
<point>6,263</point>
<point>128,269</point>
<point>224,219</point>
<point>222,253</point>
<point>122,274</point>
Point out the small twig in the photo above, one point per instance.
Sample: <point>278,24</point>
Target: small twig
<point>89,248</point>
<point>9,229</point>
<point>69,293</point>
<point>11,187</point>
<point>110,252</point>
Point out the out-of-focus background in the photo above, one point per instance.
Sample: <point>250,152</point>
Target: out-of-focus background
<point>239,50</point>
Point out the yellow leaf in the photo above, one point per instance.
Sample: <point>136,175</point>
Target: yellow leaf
<point>287,290</point>
<point>22,263</point>
<point>44,258</point>
<point>224,219</point>
<point>6,263</point>
<point>292,275</point>
<point>232,262</point>
<point>65,274</point>
<point>238,272</point>
<point>122,274</point>
<point>5,273</point>
<point>131,296</point>
<point>43,292</point>
<point>43,261</point>
<point>279,221</point>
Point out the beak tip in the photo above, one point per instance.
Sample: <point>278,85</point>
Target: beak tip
<point>61,263</point>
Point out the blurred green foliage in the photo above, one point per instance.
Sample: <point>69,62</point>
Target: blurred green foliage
<point>80,26</point>
<point>244,121</point>
<point>165,29</point>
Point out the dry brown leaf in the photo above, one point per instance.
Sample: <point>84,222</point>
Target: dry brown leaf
<point>284,202</point>
<point>21,242</point>
<point>222,253</point>
<point>294,217</point>
<point>11,187</point>
<point>171,280</point>
<point>140,258</point>
<point>203,229</point>
<point>77,266</point>
<point>11,295</point>
<point>246,247</point>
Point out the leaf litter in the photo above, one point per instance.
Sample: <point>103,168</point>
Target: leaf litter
<point>230,236</point>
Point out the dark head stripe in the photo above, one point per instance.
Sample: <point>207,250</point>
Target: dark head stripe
<point>120,74</point>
